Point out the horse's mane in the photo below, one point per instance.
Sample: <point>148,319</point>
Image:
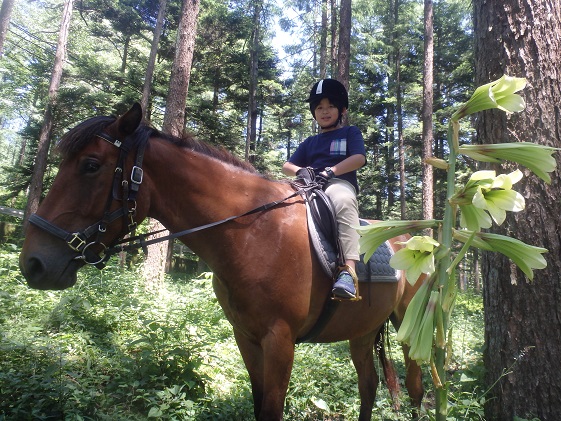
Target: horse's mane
<point>78,137</point>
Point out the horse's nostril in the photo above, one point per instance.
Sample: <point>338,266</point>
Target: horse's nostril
<point>33,271</point>
<point>35,265</point>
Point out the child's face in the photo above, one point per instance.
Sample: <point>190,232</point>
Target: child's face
<point>327,115</point>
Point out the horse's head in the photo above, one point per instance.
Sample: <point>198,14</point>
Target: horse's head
<point>91,204</point>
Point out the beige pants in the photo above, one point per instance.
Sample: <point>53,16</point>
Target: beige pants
<point>343,196</point>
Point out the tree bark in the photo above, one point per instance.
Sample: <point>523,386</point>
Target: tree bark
<point>523,318</point>
<point>174,122</point>
<point>323,41</point>
<point>344,52</point>
<point>334,37</point>
<point>400,138</point>
<point>427,176</point>
<point>36,184</point>
<point>152,60</point>
<point>174,118</point>
<point>253,76</point>
<point>5,14</point>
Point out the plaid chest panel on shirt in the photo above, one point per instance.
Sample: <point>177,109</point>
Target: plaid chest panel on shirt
<point>338,147</point>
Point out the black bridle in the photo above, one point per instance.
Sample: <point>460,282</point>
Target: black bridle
<point>122,189</point>
<point>82,242</point>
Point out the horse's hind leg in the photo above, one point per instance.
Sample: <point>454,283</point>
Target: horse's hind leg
<point>413,381</point>
<point>362,354</point>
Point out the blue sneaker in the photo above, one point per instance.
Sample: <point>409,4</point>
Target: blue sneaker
<point>344,287</point>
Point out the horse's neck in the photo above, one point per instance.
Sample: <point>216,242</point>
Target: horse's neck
<point>190,189</point>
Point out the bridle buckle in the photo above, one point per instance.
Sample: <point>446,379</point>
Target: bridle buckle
<point>76,243</point>
<point>137,175</point>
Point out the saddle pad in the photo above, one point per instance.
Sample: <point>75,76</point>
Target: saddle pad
<point>377,269</point>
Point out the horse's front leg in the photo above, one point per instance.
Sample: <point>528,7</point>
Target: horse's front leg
<point>269,364</point>
<point>362,354</point>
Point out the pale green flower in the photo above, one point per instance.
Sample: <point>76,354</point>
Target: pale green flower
<point>474,218</point>
<point>499,196</point>
<point>498,94</point>
<point>416,257</point>
<point>486,192</point>
<point>537,158</point>
<point>525,256</point>
<point>478,178</point>
<point>372,236</point>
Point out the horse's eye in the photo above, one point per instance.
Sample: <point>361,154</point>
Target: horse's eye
<point>90,167</point>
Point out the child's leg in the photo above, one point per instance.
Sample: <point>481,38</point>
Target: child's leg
<point>343,197</point>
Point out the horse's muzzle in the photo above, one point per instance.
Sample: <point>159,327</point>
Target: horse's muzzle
<point>40,275</point>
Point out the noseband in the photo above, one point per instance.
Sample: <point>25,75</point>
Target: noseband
<point>124,190</point>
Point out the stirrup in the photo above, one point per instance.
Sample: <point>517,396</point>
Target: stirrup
<point>351,271</point>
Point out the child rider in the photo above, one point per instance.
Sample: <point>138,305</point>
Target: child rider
<point>335,154</point>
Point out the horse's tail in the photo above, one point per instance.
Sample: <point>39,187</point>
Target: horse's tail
<point>392,382</point>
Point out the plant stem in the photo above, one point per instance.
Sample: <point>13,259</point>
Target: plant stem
<point>441,393</point>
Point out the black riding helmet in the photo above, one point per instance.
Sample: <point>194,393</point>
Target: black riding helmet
<point>331,89</point>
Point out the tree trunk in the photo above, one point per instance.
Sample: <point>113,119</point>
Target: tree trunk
<point>126,46</point>
<point>174,122</point>
<point>401,139</point>
<point>323,41</point>
<point>522,318</point>
<point>427,177</point>
<point>152,60</point>
<point>334,38</point>
<point>174,118</point>
<point>390,132</point>
<point>36,184</point>
<point>344,52</point>
<point>5,14</point>
<point>253,76</point>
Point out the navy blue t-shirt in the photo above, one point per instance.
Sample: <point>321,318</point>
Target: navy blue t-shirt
<point>328,149</point>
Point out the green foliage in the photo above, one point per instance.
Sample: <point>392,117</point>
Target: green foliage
<point>110,349</point>
<point>105,350</point>
<point>108,51</point>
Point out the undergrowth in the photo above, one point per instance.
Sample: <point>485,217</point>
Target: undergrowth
<point>110,349</point>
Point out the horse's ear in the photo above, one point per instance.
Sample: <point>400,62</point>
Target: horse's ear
<point>130,121</point>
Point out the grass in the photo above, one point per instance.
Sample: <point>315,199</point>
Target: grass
<point>110,349</point>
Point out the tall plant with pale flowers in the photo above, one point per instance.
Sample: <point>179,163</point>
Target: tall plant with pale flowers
<point>484,200</point>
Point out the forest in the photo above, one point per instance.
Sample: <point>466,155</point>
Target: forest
<point>249,70</point>
<point>108,49</point>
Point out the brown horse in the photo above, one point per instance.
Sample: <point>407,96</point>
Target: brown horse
<point>266,276</point>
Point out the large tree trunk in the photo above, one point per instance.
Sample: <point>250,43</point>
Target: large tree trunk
<point>174,122</point>
<point>428,192</point>
<point>174,118</point>
<point>344,52</point>
<point>522,318</point>
<point>36,185</point>
<point>5,14</point>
